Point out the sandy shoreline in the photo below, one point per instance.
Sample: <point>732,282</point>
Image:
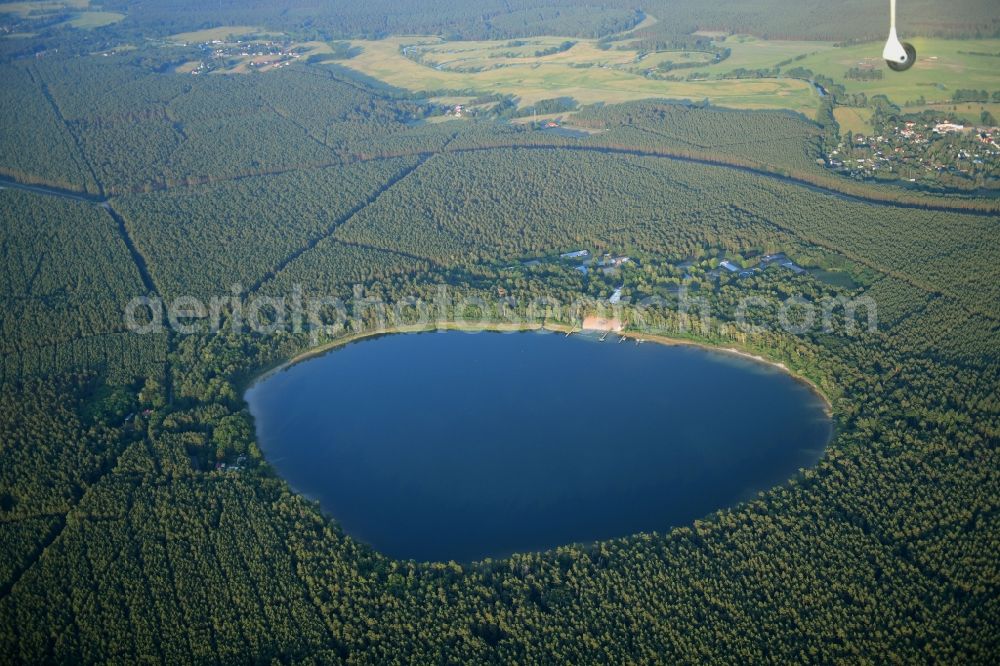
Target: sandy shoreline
<point>668,341</point>
<point>513,328</point>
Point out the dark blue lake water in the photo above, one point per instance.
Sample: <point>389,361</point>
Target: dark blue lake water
<point>458,446</point>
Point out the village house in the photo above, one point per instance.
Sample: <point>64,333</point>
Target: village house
<point>729,266</point>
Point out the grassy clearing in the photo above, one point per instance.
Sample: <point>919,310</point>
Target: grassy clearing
<point>90,20</point>
<point>754,53</point>
<point>714,34</point>
<point>943,66</point>
<point>452,100</point>
<point>854,120</point>
<point>82,18</point>
<point>467,56</point>
<point>653,60</point>
<point>223,33</point>
<point>187,67</point>
<point>25,9</point>
<point>556,75</point>
<point>543,117</point>
<point>590,74</point>
<point>836,278</point>
<point>969,113</point>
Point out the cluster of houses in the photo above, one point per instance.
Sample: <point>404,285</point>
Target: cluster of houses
<point>609,263</point>
<point>255,54</point>
<point>904,150</point>
<point>578,254</point>
<point>779,259</point>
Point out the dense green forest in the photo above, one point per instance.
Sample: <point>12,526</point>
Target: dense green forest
<point>37,144</point>
<point>242,230</point>
<point>64,263</point>
<point>495,19</point>
<point>120,539</point>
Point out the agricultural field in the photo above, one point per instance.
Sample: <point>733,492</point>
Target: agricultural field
<point>473,56</point>
<point>645,62</point>
<point>581,69</point>
<point>943,66</point>
<point>854,120</point>
<point>81,14</point>
<point>583,72</point>
<point>968,112</point>
<point>221,33</point>
<point>88,20</point>
<point>42,7</point>
<point>751,52</point>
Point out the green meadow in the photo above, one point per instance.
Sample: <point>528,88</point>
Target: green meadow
<point>591,74</point>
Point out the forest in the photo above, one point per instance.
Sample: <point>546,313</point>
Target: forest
<point>122,540</point>
<point>493,19</point>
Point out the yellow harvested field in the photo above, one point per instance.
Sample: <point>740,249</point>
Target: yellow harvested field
<point>88,20</point>
<point>222,33</point>
<point>537,68</point>
<point>584,72</point>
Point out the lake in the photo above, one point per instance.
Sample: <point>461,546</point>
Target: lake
<point>459,446</point>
